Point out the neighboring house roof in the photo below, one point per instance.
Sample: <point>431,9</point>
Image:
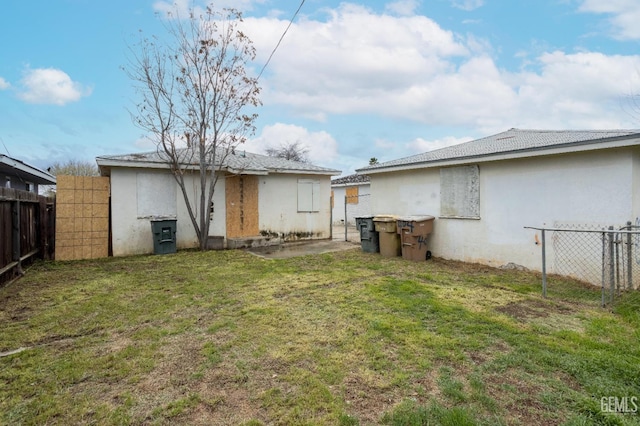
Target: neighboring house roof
<point>11,166</point>
<point>240,162</point>
<point>355,179</point>
<point>514,143</point>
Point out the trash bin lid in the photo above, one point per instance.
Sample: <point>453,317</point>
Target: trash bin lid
<point>416,218</point>
<point>385,218</point>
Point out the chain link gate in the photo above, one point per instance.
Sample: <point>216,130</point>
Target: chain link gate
<point>355,206</point>
<point>605,259</point>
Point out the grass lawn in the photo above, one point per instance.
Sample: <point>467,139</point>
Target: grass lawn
<point>345,338</point>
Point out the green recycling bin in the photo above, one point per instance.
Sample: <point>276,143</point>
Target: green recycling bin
<point>164,236</point>
<point>386,226</point>
<point>369,239</point>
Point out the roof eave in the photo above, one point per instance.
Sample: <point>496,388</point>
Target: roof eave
<point>38,176</point>
<point>581,146</point>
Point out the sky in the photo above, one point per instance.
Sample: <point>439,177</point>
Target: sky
<point>351,80</point>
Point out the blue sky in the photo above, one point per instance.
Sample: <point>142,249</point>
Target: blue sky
<point>351,80</point>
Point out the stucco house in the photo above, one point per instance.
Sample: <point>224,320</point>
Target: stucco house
<point>484,192</point>
<point>258,200</point>
<point>17,174</point>
<point>352,192</point>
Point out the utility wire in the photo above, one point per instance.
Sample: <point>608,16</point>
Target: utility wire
<point>280,41</point>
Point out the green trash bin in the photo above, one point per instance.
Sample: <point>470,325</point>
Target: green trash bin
<point>386,226</point>
<point>413,231</point>
<point>164,236</point>
<point>369,239</point>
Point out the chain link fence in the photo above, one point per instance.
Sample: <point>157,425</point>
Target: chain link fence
<point>596,264</point>
<point>354,206</point>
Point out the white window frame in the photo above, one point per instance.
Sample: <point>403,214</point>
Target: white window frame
<point>308,196</point>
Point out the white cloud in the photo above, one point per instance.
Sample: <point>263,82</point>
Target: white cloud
<point>322,147</point>
<point>50,86</point>
<point>409,68</point>
<point>144,144</point>
<point>354,57</point>
<point>624,16</point>
<point>4,84</point>
<point>402,7</point>
<point>467,5</point>
<point>420,145</point>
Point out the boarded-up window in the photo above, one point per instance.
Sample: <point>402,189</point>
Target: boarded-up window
<point>156,194</point>
<point>352,195</point>
<point>308,195</point>
<point>460,192</point>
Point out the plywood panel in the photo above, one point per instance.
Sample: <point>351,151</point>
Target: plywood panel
<point>241,194</point>
<point>82,229</point>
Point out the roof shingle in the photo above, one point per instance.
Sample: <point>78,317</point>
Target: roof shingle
<point>513,140</point>
<point>238,161</point>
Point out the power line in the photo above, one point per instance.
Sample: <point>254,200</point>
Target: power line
<point>280,41</point>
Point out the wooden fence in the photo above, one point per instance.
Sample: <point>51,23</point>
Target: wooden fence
<point>27,230</point>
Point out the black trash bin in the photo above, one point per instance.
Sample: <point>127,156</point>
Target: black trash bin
<point>164,236</point>
<point>369,239</point>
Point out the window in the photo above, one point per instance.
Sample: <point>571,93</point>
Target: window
<point>30,187</point>
<point>7,183</point>
<point>460,192</point>
<point>156,194</point>
<point>308,195</point>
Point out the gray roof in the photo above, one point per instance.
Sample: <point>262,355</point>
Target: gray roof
<point>23,170</point>
<point>237,162</point>
<point>351,179</point>
<point>510,142</point>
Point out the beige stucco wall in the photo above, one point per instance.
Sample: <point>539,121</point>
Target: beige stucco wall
<point>582,188</point>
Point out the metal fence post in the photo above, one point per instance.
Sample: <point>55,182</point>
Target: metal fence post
<point>602,303</point>
<point>345,219</point>
<point>612,277</point>
<point>544,264</point>
<point>629,259</point>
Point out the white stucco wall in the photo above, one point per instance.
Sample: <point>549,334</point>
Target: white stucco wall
<point>278,210</point>
<point>636,188</point>
<point>594,188</point>
<point>131,211</point>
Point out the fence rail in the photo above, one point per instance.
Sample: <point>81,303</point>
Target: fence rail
<point>607,258</point>
<point>27,230</point>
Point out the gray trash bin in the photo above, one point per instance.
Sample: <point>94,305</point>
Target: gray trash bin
<point>369,239</point>
<point>164,236</point>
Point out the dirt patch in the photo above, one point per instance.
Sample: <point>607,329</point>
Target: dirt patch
<point>530,309</point>
<point>288,250</point>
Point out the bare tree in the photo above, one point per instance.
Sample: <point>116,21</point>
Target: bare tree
<point>194,88</point>
<point>74,168</point>
<point>291,151</point>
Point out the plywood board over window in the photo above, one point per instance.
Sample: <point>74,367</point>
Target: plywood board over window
<point>241,193</point>
<point>460,192</point>
<point>352,194</point>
